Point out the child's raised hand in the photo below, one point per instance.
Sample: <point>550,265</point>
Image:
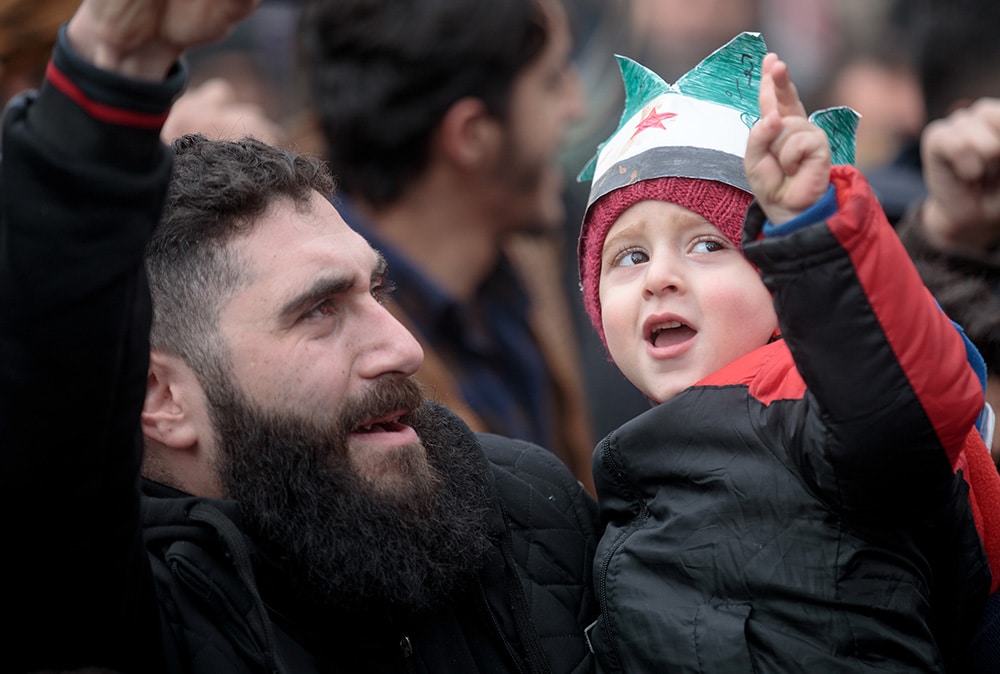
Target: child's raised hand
<point>788,157</point>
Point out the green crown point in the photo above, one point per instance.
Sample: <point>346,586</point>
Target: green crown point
<point>730,75</point>
<point>642,85</point>
<point>840,125</point>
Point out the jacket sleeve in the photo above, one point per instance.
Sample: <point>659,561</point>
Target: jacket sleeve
<point>887,373</point>
<point>967,286</point>
<point>82,180</point>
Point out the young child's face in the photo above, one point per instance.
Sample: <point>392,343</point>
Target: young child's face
<point>678,299</point>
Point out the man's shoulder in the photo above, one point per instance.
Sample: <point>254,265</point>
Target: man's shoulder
<point>552,525</point>
<point>535,487</point>
<point>526,461</point>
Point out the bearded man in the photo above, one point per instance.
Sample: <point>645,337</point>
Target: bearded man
<point>302,507</point>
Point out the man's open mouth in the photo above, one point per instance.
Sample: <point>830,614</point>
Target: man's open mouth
<point>389,423</point>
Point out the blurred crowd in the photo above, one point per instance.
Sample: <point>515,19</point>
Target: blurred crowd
<point>867,54</point>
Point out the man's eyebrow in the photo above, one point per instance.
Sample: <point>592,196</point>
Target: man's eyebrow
<point>326,287</point>
<point>320,289</point>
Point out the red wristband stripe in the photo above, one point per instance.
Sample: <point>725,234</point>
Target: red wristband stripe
<point>100,111</point>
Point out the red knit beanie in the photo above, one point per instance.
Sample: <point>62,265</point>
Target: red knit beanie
<point>723,205</point>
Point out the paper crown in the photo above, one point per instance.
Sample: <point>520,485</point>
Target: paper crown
<point>697,127</point>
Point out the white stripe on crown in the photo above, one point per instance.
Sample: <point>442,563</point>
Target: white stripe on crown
<point>673,119</point>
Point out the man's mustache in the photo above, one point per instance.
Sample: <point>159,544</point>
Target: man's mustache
<point>385,397</point>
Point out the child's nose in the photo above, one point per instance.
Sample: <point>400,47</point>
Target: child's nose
<point>663,277</point>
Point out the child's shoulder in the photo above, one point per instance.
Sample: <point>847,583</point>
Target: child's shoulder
<point>768,372</point>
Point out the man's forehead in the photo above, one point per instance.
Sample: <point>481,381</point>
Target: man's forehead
<point>290,248</point>
<point>291,229</point>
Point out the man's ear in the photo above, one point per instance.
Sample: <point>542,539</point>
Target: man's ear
<point>180,443</point>
<point>469,135</point>
<point>174,408</point>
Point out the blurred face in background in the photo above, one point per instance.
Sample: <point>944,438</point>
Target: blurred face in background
<point>675,35</point>
<point>546,99</point>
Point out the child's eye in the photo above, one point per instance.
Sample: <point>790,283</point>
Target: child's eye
<point>630,258</point>
<point>707,246</point>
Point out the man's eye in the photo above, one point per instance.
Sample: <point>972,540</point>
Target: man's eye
<point>630,258</point>
<point>382,291</point>
<point>324,308</point>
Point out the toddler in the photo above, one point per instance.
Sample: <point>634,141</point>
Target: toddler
<point>809,492</point>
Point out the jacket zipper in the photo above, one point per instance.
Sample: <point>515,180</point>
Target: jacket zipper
<point>236,547</point>
<point>496,625</point>
<point>615,468</point>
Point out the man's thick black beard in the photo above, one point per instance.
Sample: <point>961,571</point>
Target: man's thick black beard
<point>339,541</point>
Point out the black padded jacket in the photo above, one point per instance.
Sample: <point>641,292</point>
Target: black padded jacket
<point>807,508</point>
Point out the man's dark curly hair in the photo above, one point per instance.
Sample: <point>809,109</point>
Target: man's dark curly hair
<point>218,192</point>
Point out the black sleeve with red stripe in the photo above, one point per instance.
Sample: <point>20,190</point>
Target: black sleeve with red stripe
<point>83,176</point>
<point>127,110</point>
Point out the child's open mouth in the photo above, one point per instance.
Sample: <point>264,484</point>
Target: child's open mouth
<point>670,333</point>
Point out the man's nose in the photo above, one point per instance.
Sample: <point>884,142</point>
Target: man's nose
<point>392,349</point>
